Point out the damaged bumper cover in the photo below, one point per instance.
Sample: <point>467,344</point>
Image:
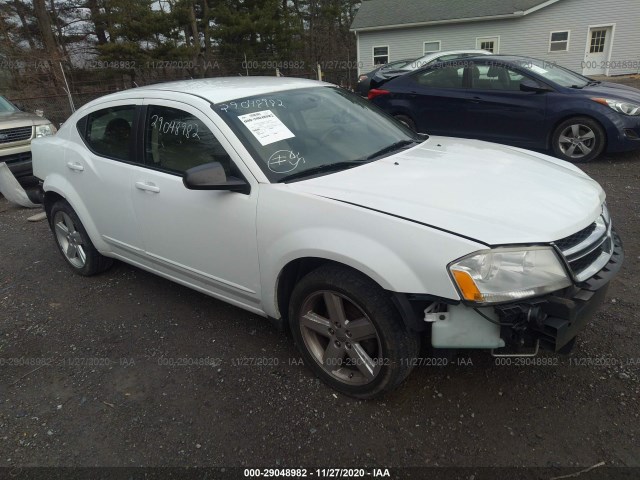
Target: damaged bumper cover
<point>556,319</point>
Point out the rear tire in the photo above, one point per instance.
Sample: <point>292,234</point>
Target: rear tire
<point>406,121</point>
<point>578,140</point>
<point>349,333</point>
<point>74,243</point>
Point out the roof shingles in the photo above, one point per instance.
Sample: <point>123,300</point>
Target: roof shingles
<point>382,13</point>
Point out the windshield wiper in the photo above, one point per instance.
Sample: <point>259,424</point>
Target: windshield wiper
<point>328,167</point>
<point>594,82</point>
<point>391,148</point>
<point>333,167</point>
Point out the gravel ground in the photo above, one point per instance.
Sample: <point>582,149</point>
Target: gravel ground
<point>94,374</point>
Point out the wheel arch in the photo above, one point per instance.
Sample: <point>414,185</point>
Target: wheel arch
<point>58,188</point>
<point>50,198</point>
<point>397,113</point>
<point>296,269</point>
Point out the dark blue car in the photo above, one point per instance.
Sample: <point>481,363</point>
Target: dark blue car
<point>517,101</point>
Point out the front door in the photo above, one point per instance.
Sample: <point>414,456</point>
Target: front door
<point>205,239</point>
<point>597,54</point>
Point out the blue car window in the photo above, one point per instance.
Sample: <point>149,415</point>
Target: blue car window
<point>495,77</point>
<point>441,77</point>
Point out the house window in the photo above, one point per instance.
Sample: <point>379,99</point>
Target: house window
<point>490,44</point>
<point>380,55</point>
<point>431,47</point>
<point>559,42</point>
<point>598,38</point>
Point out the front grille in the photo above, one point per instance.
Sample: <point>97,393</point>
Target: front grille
<point>18,134</point>
<point>573,240</point>
<point>588,251</point>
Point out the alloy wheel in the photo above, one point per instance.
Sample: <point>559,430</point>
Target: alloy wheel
<point>341,338</point>
<point>577,141</point>
<point>69,239</point>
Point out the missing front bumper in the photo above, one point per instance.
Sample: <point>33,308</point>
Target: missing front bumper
<point>555,320</point>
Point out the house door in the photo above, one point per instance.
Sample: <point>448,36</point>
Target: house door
<point>597,54</point>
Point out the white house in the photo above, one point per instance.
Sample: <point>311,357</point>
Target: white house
<point>592,37</point>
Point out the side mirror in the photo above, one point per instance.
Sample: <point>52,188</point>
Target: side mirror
<point>211,176</point>
<point>528,85</point>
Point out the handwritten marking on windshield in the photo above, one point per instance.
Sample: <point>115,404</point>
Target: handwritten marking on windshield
<point>256,103</point>
<point>284,161</point>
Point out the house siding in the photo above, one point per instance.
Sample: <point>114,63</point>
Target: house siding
<point>527,35</point>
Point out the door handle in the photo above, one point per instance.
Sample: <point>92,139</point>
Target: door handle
<point>147,187</point>
<point>75,166</point>
<point>476,100</point>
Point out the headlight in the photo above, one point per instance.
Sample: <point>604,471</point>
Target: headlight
<point>45,130</point>
<point>620,106</point>
<point>506,274</point>
<point>605,213</point>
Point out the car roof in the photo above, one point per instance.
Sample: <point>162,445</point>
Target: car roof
<point>432,55</point>
<point>505,58</point>
<point>453,52</point>
<point>222,89</point>
<point>400,61</point>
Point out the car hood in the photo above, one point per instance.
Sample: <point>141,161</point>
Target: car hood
<point>20,119</point>
<point>607,89</point>
<point>487,192</point>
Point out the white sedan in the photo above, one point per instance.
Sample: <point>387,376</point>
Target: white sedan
<point>305,204</point>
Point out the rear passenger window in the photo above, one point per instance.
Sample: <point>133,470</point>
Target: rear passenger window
<point>107,132</point>
<point>177,141</point>
<point>441,77</point>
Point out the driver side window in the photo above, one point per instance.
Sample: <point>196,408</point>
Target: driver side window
<point>176,141</point>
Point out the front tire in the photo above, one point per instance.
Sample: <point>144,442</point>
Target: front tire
<point>578,140</point>
<point>349,332</point>
<point>74,243</point>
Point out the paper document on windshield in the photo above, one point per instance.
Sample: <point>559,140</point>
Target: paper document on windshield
<point>266,127</point>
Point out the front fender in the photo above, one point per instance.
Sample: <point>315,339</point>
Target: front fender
<point>400,255</point>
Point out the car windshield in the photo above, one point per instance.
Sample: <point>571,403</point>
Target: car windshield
<point>554,73</point>
<point>312,131</point>
<point>6,106</point>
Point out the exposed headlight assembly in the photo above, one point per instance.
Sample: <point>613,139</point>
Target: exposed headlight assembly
<point>45,130</point>
<point>620,106</point>
<point>508,274</point>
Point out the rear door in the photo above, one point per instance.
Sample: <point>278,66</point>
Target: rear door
<point>499,111</point>
<point>436,99</point>
<point>99,159</point>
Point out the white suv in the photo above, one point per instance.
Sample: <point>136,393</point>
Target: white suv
<point>302,203</point>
